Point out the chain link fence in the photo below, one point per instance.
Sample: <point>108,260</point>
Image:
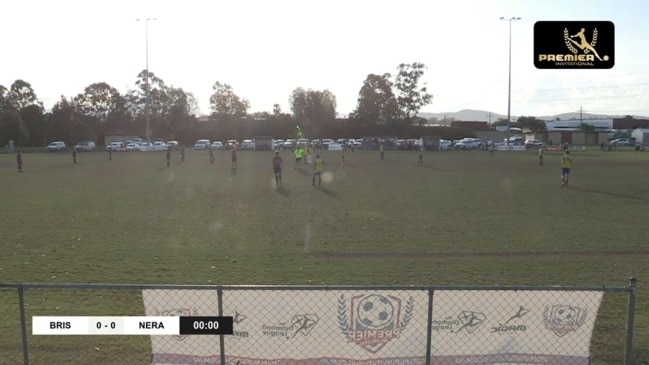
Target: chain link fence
<point>330,325</point>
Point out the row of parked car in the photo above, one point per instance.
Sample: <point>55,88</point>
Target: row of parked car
<point>60,146</point>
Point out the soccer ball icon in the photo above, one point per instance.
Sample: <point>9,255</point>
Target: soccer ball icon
<point>565,314</point>
<point>375,311</point>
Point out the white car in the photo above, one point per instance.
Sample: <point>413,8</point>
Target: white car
<point>289,144</point>
<point>116,146</point>
<point>467,144</point>
<point>56,147</point>
<point>87,146</point>
<point>202,144</point>
<point>247,144</point>
<point>172,144</point>
<point>217,145</point>
<point>132,146</point>
<point>445,144</point>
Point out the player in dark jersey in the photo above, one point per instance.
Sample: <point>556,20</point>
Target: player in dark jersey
<point>278,166</point>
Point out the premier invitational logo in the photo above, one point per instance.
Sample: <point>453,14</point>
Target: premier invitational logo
<point>574,45</point>
<point>563,319</point>
<point>371,321</point>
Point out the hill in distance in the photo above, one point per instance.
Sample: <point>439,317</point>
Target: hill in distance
<point>483,116</point>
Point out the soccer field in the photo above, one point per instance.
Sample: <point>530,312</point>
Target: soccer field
<point>465,217</point>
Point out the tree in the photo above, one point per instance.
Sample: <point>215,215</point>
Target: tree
<point>377,104</point>
<point>63,117</point>
<point>531,123</point>
<point>34,121</point>
<point>22,95</point>
<point>225,103</point>
<point>12,128</point>
<point>4,99</point>
<point>500,122</point>
<point>101,101</point>
<point>313,109</point>
<point>585,127</point>
<point>411,97</point>
<point>277,110</point>
<point>81,131</point>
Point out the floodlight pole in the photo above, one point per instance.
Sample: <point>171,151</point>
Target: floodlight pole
<point>146,90</point>
<point>509,92</point>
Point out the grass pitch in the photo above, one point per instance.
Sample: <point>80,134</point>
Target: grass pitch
<point>462,218</point>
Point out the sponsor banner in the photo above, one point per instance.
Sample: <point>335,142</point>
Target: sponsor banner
<point>335,147</point>
<point>493,327</point>
<point>182,349</point>
<point>330,327</point>
<point>504,147</point>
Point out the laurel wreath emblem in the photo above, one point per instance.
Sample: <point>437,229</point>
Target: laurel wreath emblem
<point>566,39</point>
<point>407,315</point>
<point>342,315</point>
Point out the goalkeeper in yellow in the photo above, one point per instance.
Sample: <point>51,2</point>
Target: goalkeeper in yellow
<point>566,165</point>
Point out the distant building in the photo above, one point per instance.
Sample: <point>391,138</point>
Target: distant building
<point>474,126</point>
<point>575,124</point>
<point>629,123</point>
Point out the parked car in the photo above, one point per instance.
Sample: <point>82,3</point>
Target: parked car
<point>467,144</point>
<point>87,146</point>
<point>57,146</point>
<point>202,144</point>
<point>445,144</point>
<point>534,143</point>
<point>289,144</point>
<point>217,145</point>
<point>232,143</point>
<point>622,142</point>
<point>247,144</point>
<point>132,146</point>
<point>116,146</point>
<point>172,144</point>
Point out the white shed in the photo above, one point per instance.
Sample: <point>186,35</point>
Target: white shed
<point>641,136</point>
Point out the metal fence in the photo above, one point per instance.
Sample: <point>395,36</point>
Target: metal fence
<point>330,324</point>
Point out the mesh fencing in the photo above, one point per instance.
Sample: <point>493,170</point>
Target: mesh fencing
<point>336,325</point>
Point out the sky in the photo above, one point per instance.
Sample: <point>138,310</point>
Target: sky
<point>265,49</point>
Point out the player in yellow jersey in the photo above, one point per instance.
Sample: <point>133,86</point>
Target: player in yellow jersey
<point>342,154</point>
<point>566,165</point>
<point>318,167</point>
<point>299,154</point>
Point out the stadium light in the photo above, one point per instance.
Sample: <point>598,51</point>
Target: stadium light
<point>509,92</point>
<point>146,91</point>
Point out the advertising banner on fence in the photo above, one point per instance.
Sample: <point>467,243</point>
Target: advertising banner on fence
<point>513,327</point>
<point>183,349</point>
<point>326,327</point>
<point>386,327</point>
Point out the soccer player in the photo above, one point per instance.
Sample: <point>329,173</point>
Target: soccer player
<point>318,167</point>
<point>19,160</point>
<point>278,165</point>
<point>420,161</point>
<point>168,156</point>
<point>541,156</point>
<point>381,150</point>
<point>234,158</point>
<point>110,154</point>
<point>211,155</point>
<point>74,155</point>
<point>566,165</point>
<point>342,154</point>
<point>299,153</point>
<point>182,153</point>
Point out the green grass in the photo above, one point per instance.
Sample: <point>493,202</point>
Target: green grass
<point>465,218</point>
